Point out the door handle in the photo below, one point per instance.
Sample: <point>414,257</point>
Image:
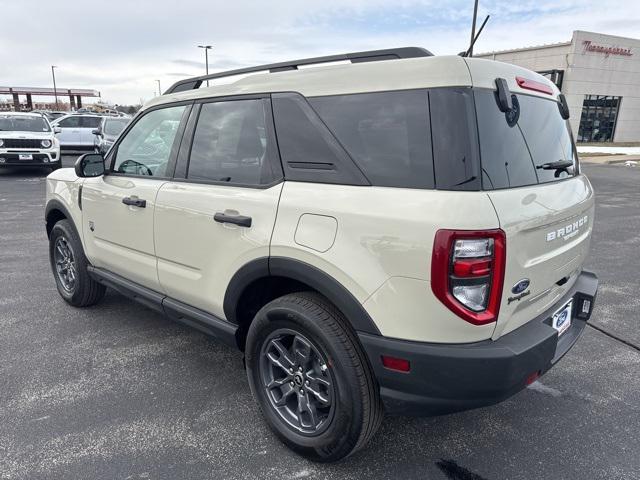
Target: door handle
<point>235,219</point>
<point>134,202</point>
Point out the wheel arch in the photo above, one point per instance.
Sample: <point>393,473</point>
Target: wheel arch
<point>264,279</point>
<point>54,212</point>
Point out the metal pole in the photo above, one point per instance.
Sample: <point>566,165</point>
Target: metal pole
<point>55,91</point>
<point>206,58</point>
<point>159,88</point>
<point>473,27</point>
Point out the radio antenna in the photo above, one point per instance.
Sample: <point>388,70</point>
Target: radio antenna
<point>474,35</point>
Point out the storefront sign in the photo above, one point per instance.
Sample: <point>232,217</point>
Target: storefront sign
<point>591,47</point>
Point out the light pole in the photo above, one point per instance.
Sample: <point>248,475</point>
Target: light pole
<point>206,57</point>
<point>55,91</point>
<point>159,88</point>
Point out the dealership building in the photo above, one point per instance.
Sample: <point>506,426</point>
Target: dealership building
<point>600,77</point>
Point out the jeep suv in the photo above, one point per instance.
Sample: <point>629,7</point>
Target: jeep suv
<point>27,139</point>
<point>399,231</point>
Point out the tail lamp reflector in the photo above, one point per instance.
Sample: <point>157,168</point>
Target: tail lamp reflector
<point>397,364</point>
<point>467,272</point>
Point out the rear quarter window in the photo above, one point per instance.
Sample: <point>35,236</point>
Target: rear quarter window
<point>387,134</point>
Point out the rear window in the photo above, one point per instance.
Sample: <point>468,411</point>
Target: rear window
<point>387,134</point>
<point>513,156</point>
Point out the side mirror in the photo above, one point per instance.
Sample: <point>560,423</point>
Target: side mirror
<point>96,132</point>
<point>90,165</point>
<point>57,130</point>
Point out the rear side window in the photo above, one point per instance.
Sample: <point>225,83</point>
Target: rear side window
<point>231,144</point>
<point>455,141</point>
<point>387,134</point>
<point>90,122</point>
<point>513,156</point>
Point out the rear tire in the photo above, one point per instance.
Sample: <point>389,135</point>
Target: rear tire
<point>69,266</point>
<point>321,367</point>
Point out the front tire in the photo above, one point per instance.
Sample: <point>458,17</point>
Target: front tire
<point>311,378</point>
<point>69,267</point>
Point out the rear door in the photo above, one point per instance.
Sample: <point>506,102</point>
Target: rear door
<point>220,215</point>
<point>546,213</point>
<point>71,133</point>
<point>88,124</point>
<point>118,207</point>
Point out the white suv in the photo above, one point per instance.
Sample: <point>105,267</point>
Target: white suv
<point>403,232</point>
<point>27,139</point>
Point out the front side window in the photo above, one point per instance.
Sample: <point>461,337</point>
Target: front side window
<point>70,122</point>
<point>231,144</point>
<point>146,148</point>
<point>114,127</point>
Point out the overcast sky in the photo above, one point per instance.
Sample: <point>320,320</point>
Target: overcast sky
<point>120,47</point>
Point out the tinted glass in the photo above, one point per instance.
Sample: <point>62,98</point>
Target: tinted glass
<point>387,134</point>
<point>114,127</point>
<point>90,122</point>
<point>513,156</point>
<point>230,144</point>
<point>20,123</point>
<point>547,135</point>
<point>599,118</point>
<point>69,122</point>
<point>146,148</point>
<point>455,143</point>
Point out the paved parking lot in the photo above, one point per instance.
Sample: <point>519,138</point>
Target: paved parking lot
<point>119,392</point>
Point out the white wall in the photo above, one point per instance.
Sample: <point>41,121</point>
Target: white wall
<point>590,73</point>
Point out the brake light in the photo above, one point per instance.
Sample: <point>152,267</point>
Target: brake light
<point>467,272</point>
<point>529,84</point>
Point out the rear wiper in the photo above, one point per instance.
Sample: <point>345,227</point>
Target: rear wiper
<point>559,165</point>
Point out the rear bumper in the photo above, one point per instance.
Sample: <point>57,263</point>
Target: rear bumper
<point>446,378</point>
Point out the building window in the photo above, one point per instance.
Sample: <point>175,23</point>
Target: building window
<point>599,117</point>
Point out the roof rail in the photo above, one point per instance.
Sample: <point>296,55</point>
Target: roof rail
<point>357,57</point>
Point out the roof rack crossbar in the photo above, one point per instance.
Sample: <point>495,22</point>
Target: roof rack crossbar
<point>356,57</point>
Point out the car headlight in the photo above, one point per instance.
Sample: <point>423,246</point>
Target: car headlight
<point>1,142</point>
<point>45,143</point>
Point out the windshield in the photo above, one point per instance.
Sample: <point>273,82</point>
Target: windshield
<point>19,123</point>
<point>114,127</point>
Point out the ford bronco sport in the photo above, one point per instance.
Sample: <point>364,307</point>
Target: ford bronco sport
<point>397,231</point>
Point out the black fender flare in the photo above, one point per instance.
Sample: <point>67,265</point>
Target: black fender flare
<point>302,272</point>
<point>57,205</point>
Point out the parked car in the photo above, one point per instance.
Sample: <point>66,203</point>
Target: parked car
<point>76,131</point>
<point>27,139</point>
<point>107,133</point>
<point>406,231</point>
<point>55,115</point>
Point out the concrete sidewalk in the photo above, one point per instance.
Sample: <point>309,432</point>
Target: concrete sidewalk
<point>609,159</point>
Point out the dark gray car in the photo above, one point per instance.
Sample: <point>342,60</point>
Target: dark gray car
<point>107,132</point>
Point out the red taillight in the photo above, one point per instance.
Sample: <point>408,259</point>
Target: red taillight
<point>397,364</point>
<point>529,84</point>
<point>467,272</point>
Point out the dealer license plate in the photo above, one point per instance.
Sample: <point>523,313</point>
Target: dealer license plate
<point>561,320</point>
<point>25,156</point>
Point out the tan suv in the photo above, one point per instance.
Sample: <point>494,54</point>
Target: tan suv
<point>395,231</point>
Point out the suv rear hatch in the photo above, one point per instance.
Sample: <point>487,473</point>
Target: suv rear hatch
<point>545,212</point>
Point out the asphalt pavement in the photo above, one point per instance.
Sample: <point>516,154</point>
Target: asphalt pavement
<point>117,391</point>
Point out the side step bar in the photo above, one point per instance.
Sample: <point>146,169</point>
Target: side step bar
<point>175,310</point>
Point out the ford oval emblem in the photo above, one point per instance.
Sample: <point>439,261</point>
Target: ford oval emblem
<point>520,287</point>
